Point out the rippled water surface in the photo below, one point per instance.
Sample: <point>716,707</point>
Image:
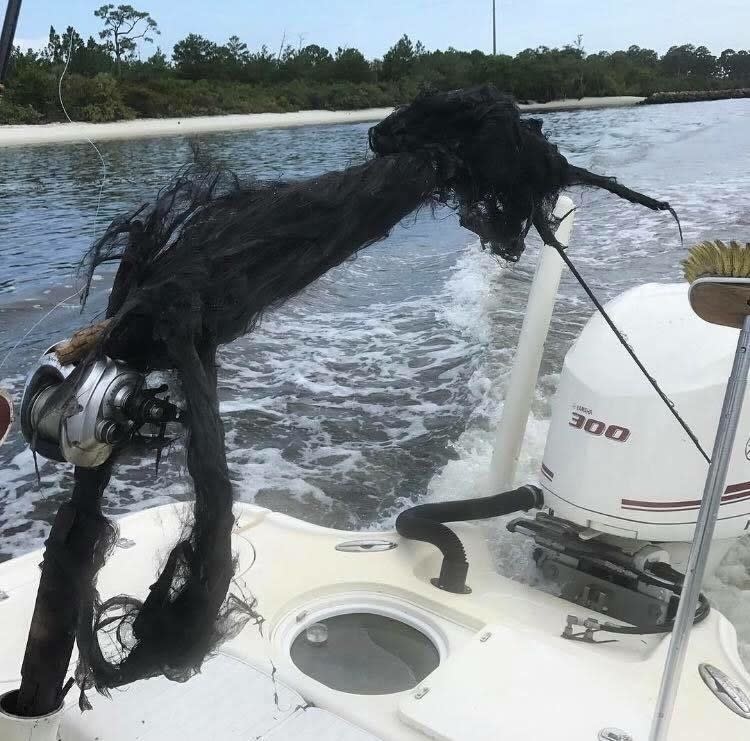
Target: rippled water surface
<point>382,383</point>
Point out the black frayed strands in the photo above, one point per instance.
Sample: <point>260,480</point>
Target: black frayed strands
<point>200,265</point>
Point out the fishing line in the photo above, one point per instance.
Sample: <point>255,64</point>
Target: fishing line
<point>667,401</point>
<point>36,324</point>
<point>70,120</point>
<point>96,215</point>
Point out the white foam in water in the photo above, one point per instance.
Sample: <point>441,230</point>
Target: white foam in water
<point>469,293</point>
<point>474,290</point>
<point>22,529</point>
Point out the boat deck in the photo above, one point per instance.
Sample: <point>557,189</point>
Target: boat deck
<point>504,673</point>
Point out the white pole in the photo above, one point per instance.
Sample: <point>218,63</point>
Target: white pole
<point>523,377</point>
<point>716,482</point>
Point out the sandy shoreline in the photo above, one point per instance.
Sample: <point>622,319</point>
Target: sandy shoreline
<point>57,133</point>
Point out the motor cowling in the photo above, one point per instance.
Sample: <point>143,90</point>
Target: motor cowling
<point>616,460</point>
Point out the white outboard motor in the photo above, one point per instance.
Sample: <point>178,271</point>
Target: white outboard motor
<point>616,460</point>
<point>622,481</point>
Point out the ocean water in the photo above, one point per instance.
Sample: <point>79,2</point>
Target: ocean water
<point>382,384</point>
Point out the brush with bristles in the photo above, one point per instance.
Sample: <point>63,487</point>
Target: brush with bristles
<point>719,275</point>
<point>717,259</point>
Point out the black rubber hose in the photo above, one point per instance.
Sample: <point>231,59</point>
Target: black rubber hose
<point>425,523</point>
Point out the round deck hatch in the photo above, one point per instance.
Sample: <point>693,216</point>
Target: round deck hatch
<point>364,654</point>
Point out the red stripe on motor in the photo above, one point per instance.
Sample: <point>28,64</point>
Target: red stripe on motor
<point>680,506</point>
<point>660,505</point>
<point>738,487</point>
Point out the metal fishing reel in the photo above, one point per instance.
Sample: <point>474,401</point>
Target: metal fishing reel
<point>97,412</point>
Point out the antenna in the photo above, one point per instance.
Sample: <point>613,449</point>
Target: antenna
<point>494,30</point>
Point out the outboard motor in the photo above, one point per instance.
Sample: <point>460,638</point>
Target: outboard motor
<point>615,460</point>
<point>622,481</point>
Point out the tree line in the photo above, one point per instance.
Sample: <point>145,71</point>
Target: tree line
<point>108,78</point>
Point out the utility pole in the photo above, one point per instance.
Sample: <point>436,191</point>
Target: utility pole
<point>494,30</point>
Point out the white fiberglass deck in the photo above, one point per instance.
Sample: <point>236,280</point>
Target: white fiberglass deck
<point>521,682</point>
<point>228,701</point>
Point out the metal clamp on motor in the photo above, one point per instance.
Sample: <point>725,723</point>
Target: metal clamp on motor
<point>104,408</point>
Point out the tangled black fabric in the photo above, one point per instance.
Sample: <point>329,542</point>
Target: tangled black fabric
<point>201,263</point>
<point>499,171</point>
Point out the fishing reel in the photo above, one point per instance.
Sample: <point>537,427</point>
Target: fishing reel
<point>79,413</point>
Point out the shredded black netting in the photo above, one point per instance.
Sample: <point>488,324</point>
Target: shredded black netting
<point>200,264</point>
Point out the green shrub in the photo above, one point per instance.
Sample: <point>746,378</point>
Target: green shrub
<point>11,113</point>
<point>144,101</point>
<point>32,86</point>
<point>95,99</point>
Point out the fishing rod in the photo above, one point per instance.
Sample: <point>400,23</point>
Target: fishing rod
<point>7,36</point>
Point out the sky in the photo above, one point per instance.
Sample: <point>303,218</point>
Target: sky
<point>373,27</point>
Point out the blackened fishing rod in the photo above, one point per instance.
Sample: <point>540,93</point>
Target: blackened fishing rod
<point>7,36</point>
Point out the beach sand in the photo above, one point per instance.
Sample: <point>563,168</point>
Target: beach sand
<point>13,136</point>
